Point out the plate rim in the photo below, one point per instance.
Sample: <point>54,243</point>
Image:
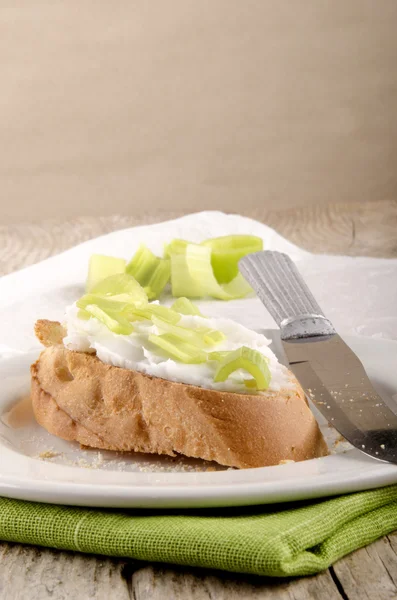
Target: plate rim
<point>215,489</point>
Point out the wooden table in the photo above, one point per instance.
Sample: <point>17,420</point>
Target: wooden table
<point>33,573</point>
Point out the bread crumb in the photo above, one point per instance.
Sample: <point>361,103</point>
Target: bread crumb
<point>48,454</point>
<point>286,462</point>
<point>340,439</point>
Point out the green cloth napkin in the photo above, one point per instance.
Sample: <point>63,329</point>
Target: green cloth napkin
<point>294,539</point>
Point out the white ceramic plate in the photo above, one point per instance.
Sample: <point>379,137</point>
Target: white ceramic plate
<point>37,466</point>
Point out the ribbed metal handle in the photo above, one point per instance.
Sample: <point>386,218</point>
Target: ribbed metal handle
<point>280,287</point>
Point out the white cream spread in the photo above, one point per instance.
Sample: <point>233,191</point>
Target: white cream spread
<point>136,353</point>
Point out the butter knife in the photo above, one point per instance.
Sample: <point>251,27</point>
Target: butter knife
<point>328,370</point>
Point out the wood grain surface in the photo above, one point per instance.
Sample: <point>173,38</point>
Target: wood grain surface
<point>30,573</point>
<point>356,229</point>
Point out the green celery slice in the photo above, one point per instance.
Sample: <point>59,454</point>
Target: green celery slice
<point>164,313</point>
<point>199,337</point>
<point>185,307</point>
<point>176,246</point>
<point>158,279</point>
<point>192,275</point>
<point>250,384</point>
<point>151,310</point>
<point>151,272</point>
<point>108,304</point>
<point>213,337</point>
<point>237,288</point>
<point>124,299</point>
<point>218,355</point>
<point>183,334</point>
<point>177,350</point>
<point>100,267</point>
<point>251,361</point>
<point>120,285</point>
<point>115,322</point>
<point>183,283</point>
<point>83,314</point>
<point>142,265</point>
<point>227,251</point>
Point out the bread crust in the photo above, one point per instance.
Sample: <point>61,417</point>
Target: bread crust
<point>49,333</point>
<point>77,397</point>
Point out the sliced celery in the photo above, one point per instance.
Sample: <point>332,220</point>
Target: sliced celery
<point>125,299</point>
<point>115,322</point>
<point>142,265</point>
<point>158,279</point>
<point>177,350</point>
<point>250,383</point>
<point>107,304</point>
<point>192,275</point>
<point>183,283</point>
<point>237,288</point>
<point>83,314</point>
<point>177,246</point>
<point>250,360</point>
<point>119,285</point>
<point>151,272</point>
<point>164,313</point>
<point>199,337</point>
<point>218,355</point>
<point>227,251</point>
<point>100,267</point>
<point>185,307</point>
<point>181,333</point>
<point>213,336</point>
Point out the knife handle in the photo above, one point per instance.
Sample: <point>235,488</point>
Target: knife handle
<point>281,288</point>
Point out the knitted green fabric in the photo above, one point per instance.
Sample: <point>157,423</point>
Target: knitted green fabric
<point>297,539</point>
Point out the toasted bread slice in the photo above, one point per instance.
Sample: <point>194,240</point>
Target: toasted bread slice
<point>77,397</point>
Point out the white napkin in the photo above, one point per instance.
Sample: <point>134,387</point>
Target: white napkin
<point>359,295</point>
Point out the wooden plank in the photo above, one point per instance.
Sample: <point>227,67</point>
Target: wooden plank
<point>355,229</point>
<point>29,573</point>
<point>371,572</point>
<point>392,539</point>
<point>184,584</point>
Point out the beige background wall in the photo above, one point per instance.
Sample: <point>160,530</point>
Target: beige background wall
<point>129,106</point>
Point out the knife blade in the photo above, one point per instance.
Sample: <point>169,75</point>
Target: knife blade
<point>328,370</point>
